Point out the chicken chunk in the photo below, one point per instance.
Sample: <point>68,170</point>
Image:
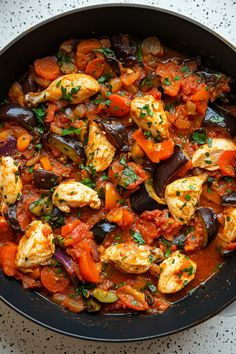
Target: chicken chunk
<point>176,272</point>
<point>207,155</point>
<point>99,150</point>
<point>10,181</point>
<point>149,115</point>
<point>130,258</point>
<point>36,246</point>
<point>228,233</point>
<point>74,88</point>
<point>72,194</point>
<point>182,197</point>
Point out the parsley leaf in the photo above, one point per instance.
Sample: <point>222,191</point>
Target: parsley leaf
<point>199,137</point>
<point>71,131</point>
<point>137,236</point>
<point>88,182</point>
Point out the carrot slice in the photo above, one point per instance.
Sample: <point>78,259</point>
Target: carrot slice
<point>86,46</point>
<point>46,163</point>
<point>23,142</point>
<point>47,68</point>
<point>8,255</point>
<point>95,67</point>
<point>54,280</point>
<point>227,163</point>
<point>119,106</point>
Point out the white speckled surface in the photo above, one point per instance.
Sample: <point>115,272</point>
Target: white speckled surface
<point>18,335</point>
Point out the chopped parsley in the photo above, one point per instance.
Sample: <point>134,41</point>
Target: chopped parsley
<point>88,182</point>
<point>71,131</point>
<point>166,81</point>
<point>137,236</point>
<point>199,137</point>
<point>187,197</point>
<point>68,95</point>
<point>107,52</point>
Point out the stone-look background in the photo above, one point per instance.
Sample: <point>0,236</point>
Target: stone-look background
<point>18,335</point>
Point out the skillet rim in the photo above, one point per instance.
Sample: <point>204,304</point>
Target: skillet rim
<point>84,9</point>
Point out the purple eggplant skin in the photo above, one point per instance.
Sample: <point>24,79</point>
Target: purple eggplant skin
<point>68,146</point>
<point>44,179</point>
<point>101,229</point>
<point>166,169</point>
<point>8,147</point>
<point>220,117</point>
<point>115,133</point>
<point>145,199</point>
<point>68,264</point>
<point>210,222</point>
<point>12,112</point>
<point>28,84</point>
<point>229,199</point>
<point>11,218</point>
<point>125,48</point>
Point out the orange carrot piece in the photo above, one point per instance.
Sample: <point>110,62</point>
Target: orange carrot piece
<point>119,106</point>
<point>45,162</point>
<point>88,268</point>
<point>8,255</point>
<point>23,142</point>
<point>54,281</point>
<point>95,67</point>
<point>112,197</point>
<point>47,68</point>
<point>86,46</point>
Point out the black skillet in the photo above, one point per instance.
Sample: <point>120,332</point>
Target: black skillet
<point>179,33</point>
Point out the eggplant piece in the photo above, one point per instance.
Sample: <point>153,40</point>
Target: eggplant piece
<point>180,239</point>
<point>213,78</point>
<point>210,222</point>
<point>68,146</point>
<point>220,117</point>
<point>125,48</point>
<point>28,84</point>
<point>229,199</point>
<point>44,179</point>
<point>56,218</point>
<point>12,112</point>
<point>101,229</point>
<point>92,305</point>
<point>11,217</point>
<point>8,147</point>
<point>166,169</point>
<point>145,198</point>
<point>116,133</point>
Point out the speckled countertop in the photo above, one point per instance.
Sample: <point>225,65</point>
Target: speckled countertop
<point>18,335</point>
